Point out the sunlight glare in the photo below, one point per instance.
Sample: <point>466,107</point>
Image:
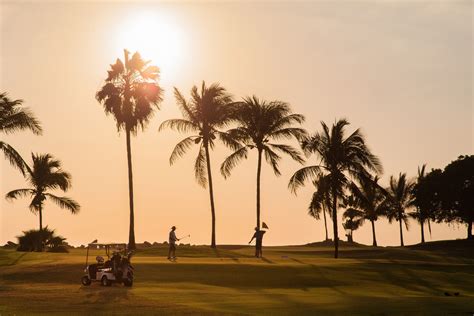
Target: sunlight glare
<point>156,37</point>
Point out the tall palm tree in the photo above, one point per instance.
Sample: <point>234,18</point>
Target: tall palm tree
<point>341,160</point>
<point>420,214</point>
<point>206,112</point>
<point>14,118</point>
<point>371,200</point>
<point>400,198</point>
<point>45,175</point>
<point>260,123</point>
<point>321,200</point>
<point>129,94</point>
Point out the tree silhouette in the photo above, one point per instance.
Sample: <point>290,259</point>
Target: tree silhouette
<point>421,214</point>
<point>352,216</point>
<point>321,200</point>
<point>457,193</point>
<point>129,94</point>
<point>260,123</point>
<point>341,160</point>
<point>13,118</point>
<point>45,175</point>
<point>206,112</point>
<point>400,198</point>
<point>371,200</point>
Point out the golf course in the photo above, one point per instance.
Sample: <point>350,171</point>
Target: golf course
<point>414,280</point>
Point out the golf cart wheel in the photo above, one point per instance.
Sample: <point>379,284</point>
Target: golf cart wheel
<point>85,280</point>
<point>128,282</point>
<point>105,282</point>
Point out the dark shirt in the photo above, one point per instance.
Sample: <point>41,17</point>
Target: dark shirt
<point>259,236</point>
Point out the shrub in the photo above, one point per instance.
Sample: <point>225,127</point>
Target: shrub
<point>36,240</point>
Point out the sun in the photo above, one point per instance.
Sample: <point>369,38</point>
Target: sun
<point>157,37</point>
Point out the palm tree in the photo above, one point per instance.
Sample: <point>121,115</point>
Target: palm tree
<point>400,198</point>
<point>260,123</point>
<point>354,218</point>
<point>371,200</point>
<point>341,159</point>
<point>206,112</point>
<point>420,214</point>
<point>14,118</point>
<point>129,92</point>
<point>45,175</point>
<point>321,200</point>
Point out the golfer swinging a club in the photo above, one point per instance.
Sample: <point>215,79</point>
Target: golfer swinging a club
<point>172,241</point>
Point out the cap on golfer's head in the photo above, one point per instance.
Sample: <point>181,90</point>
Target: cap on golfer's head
<point>173,227</point>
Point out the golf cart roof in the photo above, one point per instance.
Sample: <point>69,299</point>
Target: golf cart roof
<point>107,244</point>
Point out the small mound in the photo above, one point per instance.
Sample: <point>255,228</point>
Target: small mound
<point>330,243</point>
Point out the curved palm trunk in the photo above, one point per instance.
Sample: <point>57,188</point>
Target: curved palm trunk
<point>325,224</point>
<point>334,221</point>
<point>401,230</point>
<point>131,235</point>
<point>422,231</point>
<point>211,197</point>
<point>374,242</point>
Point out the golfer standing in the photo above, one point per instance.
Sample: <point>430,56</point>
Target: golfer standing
<point>258,236</point>
<point>172,241</point>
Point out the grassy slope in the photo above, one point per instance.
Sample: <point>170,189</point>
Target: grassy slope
<point>289,280</point>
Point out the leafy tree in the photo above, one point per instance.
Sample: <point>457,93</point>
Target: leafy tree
<point>321,200</point>
<point>260,124</point>
<point>400,198</point>
<point>457,193</point>
<point>14,118</point>
<point>45,175</point>
<point>209,109</point>
<point>342,159</point>
<point>371,200</point>
<point>129,94</point>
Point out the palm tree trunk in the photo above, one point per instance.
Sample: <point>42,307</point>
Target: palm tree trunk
<point>41,242</point>
<point>469,230</point>
<point>259,169</point>
<point>131,236</point>
<point>401,230</point>
<point>334,221</point>
<point>325,224</point>
<point>40,211</point>
<point>374,243</point>
<point>422,231</point>
<point>211,197</point>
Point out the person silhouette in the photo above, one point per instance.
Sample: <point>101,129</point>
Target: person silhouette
<point>258,236</point>
<point>172,242</point>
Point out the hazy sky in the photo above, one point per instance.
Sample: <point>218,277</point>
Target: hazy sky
<point>400,71</point>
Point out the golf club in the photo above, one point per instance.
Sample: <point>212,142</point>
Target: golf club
<point>184,237</point>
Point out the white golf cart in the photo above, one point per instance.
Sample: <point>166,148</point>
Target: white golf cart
<point>116,269</point>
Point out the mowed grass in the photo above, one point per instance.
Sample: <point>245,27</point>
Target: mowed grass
<point>288,280</point>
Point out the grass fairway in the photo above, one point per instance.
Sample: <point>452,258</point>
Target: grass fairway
<point>289,280</point>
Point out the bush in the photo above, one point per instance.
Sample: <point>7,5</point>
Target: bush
<point>36,240</point>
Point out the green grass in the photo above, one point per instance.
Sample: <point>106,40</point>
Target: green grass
<point>289,280</point>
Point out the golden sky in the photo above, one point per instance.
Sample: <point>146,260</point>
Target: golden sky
<point>400,71</point>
